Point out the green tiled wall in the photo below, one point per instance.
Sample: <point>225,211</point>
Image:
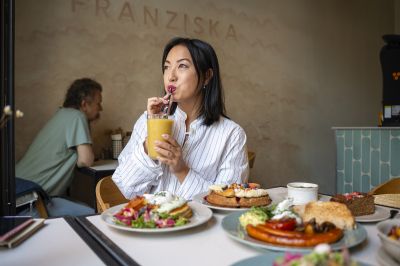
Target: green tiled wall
<point>366,158</point>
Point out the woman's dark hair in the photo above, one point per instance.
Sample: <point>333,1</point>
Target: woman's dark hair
<point>81,89</point>
<point>204,58</point>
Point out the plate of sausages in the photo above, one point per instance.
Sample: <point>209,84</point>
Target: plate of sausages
<point>299,243</point>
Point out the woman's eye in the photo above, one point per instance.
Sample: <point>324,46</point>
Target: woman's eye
<point>166,67</point>
<point>183,66</point>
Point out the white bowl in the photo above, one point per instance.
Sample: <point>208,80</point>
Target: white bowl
<point>391,246</point>
<point>302,193</point>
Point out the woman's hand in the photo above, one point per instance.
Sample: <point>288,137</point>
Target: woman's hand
<point>155,104</point>
<point>171,154</point>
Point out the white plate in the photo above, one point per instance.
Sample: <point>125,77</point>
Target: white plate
<point>380,214</point>
<point>200,199</point>
<point>268,259</point>
<point>384,259</point>
<point>201,214</point>
<point>230,224</point>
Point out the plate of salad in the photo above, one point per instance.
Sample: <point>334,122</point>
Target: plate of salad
<point>155,215</point>
<point>321,255</point>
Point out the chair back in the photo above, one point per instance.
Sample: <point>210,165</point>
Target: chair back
<point>388,193</point>
<point>108,194</point>
<point>251,157</point>
<point>392,186</point>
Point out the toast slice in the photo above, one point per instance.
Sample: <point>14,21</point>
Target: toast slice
<point>333,212</point>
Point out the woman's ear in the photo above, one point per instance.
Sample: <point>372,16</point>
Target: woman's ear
<point>209,75</point>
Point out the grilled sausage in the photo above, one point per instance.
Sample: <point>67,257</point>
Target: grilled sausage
<point>297,239</point>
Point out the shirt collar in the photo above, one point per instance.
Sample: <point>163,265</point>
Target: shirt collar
<point>181,115</point>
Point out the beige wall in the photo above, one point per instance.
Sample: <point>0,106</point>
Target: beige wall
<point>291,69</point>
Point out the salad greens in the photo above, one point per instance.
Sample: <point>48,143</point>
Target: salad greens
<point>322,255</point>
<point>145,217</point>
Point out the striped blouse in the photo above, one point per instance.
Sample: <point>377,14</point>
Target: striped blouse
<point>215,154</point>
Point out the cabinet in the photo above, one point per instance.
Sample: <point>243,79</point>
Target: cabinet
<point>366,157</point>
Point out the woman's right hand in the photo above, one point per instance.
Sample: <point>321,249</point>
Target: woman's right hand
<point>155,104</point>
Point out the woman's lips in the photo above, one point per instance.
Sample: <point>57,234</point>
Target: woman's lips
<point>171,88</point>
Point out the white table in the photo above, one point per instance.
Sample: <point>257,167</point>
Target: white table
<point>207,244</point>
<point>104,165</point>
<point>56,243</point>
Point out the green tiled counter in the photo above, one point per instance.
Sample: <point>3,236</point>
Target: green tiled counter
<point>366,157</point>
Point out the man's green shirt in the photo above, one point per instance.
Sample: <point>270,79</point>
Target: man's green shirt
<point>51,158</point>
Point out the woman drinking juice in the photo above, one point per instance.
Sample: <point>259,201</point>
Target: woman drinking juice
<point>204,147</point>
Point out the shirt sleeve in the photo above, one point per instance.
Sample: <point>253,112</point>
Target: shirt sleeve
<point>136,172</point>
<point>234,167</point>
<point>77,131</point>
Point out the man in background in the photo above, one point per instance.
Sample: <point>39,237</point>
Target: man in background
<point>64,141</point>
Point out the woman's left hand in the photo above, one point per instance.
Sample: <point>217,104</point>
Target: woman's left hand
<point>170,153</point>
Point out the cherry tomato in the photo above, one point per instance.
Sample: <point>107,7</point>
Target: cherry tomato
<point>287,224</point>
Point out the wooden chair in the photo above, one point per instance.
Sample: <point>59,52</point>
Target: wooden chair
<point>108,194</point>
<point>391,186</point>
<point>28,192</point>
<point>252,157</point>
<point>388,193</point>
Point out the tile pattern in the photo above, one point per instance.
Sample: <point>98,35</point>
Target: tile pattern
<point>366,157</point>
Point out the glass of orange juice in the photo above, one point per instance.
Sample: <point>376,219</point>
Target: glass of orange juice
<point>157,125</point>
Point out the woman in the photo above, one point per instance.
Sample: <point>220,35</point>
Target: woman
<point>205,147</point>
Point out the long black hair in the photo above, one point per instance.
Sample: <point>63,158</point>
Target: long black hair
<point>204,58</point>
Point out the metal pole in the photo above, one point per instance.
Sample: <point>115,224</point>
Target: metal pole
<point>3,179</point>
<point>7,98</point>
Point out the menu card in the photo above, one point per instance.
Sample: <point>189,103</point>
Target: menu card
<point>15,229</point>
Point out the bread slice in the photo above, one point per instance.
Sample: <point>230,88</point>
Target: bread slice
<point>333,212</point>
<point>183,211</point>
<point>221,201</point>
<point>257,201</point>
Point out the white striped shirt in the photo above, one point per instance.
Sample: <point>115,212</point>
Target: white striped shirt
<point>215,154</point>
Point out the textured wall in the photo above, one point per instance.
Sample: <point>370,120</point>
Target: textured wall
<point>291,69</point>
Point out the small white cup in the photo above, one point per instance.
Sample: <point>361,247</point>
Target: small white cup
<point>302,193</point>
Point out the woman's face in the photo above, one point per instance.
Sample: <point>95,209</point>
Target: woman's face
<point>180,72</point>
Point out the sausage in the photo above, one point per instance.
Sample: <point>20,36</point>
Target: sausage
<point>278,232</point>
<point>302,240</point>
<point>288,224</point>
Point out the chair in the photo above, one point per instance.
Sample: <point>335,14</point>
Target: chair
<point>29,193</point>
<point>391,186</point>
<point>108,194</point>
<point>32,200</point>
<point>388,193</point>
<point>252,157</point>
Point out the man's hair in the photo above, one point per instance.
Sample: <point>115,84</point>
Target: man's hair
<point>204,58</point>
<point>81,89</point>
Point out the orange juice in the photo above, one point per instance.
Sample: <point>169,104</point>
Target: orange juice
<point>156,126</point>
